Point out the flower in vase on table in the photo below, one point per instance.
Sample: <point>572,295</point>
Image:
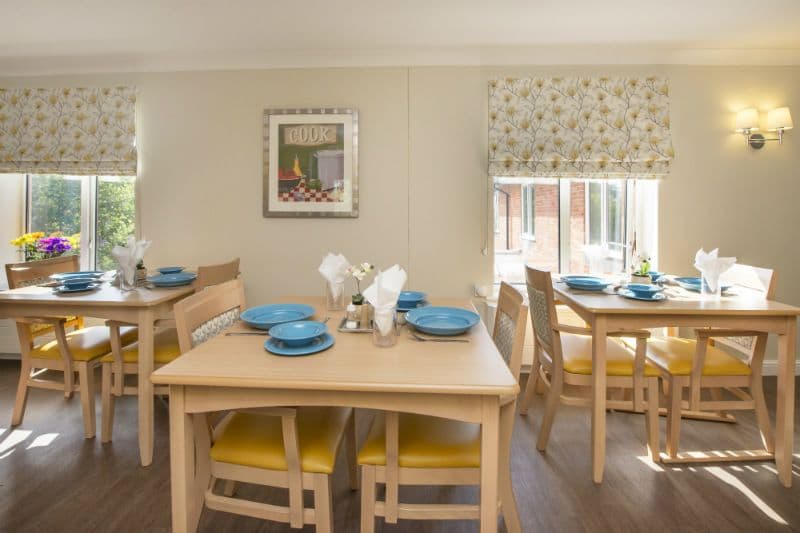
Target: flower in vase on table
<point>36,245</point>
<point>358,273</point>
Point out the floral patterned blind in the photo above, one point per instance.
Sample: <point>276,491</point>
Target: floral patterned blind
<point>579,127</point>
<point>68,131</point>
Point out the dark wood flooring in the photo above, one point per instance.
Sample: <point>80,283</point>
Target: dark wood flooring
<point>52,479</point>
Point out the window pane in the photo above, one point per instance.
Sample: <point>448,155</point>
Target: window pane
<point>116,217</point>
<point>595,213</point>
<point>55,204</point>
<point>614,214</point>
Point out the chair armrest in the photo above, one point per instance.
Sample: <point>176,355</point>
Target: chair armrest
<point>711,333</point>
<point>271,411</point>
<point>637,333</point>
<point>565,328</point>
<point>53,321</point>
<point>575,330</point>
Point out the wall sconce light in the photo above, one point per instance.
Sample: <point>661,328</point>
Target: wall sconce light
<point>778,120</point>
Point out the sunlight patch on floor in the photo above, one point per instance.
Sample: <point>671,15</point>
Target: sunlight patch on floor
<point>649,462</point>
<point>13,438</point>
<point>736,483</point>
<point>45,439</point>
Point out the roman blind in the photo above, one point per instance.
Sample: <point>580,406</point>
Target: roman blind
<point>74,131</point>
<point>579,127</point>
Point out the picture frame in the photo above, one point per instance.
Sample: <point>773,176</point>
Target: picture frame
<point>310,162</point>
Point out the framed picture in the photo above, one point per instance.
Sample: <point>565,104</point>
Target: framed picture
<point>311,162</point>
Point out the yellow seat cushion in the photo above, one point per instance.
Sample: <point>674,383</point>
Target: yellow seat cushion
<point>256,440</point>
<point>567,316</point>
<point>425,442</point>
<point>41,329</point>
<point>165,349</point>
<point>85,344</point>
<point>676,356</point>
<point>577,352</point>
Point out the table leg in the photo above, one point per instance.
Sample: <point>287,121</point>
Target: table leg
<point>509,504</point>
<point>490,459</point>
<point>186,506</point>
<point>145,386</point>
<point>599,341</point>
<point>784,418</point>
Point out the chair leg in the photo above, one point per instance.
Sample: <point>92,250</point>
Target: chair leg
<point>651,420</point>
<point>323,504</point>
<point>530,388</point>
<point>108,400</point>
<point>716,395</point>
<point>368,498</point>
<point>550,406</point>
<point>86,389</point>
<point>674,415</point>
<point>352,451</point>
<point>22,392</point>
<point>762,414</point>
<point>69,382</point>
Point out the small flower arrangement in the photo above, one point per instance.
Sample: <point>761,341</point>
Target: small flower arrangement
<point>36,245</point>
<point>358,273</point>
<point>643,265</point>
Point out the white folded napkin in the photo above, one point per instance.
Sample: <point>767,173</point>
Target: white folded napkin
<point>127,257</point>
<point>334,269</point>
<point>711,266</point>
<point>383,294</point>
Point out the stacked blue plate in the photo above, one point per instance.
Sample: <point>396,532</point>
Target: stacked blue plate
<point>266,316</point>
<point>408,300</point>
<point>298,338</point>
<point>177,279</point>
<point>91,274</point>
<point>694,284</point>
<point>437,320</point>
<point>170,269</point>
<point>585,283</point>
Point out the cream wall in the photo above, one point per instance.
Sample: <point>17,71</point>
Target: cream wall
<point>422,160</point>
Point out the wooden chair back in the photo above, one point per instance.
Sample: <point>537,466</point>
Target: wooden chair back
<point>209,275</point>
<point>204,314</point>
<point>544,320</point>
<point>509,327</point>
<point>38,272</point>
<point>761,281</point>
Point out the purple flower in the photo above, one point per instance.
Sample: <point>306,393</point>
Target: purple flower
<point>53,246</point>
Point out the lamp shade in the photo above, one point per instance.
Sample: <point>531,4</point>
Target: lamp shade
<point>779,119</point>
<point>747,119</point>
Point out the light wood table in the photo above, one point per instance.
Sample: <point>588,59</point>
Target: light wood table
<point>462,381</point>
<point>742,310</point>
<point>141,306</point>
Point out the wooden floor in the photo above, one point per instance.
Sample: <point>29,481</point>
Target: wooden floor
<point>52,479</point>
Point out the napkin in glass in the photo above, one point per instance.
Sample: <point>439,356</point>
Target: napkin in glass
<point>127,257</point>
<point>334,269</point>
<point>711,266</point>
<point>383,294</point>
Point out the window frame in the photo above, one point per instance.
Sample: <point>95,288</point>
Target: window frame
<point>616,249</point>
<point>528,211</point>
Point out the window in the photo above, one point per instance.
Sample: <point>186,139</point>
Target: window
<point>571,225</point>
<point>528,212</point>
<point>99,208</point>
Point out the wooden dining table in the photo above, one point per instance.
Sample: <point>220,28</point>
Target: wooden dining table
<point>461,381</point>
<point>742,309</point>
<point>141,306</point>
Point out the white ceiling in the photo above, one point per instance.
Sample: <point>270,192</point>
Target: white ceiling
<point>58,36</point>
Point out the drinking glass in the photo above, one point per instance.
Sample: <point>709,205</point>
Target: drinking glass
<point>387,337</point>
<point>126,282</point>
<point>334,296</point>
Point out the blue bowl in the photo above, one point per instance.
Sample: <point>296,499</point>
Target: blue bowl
<point>410,298</point>
<point>298,333</point>
<point>655,276</point>
<point>170,270</point>
<point>641,289</point>
<point>77,283</point>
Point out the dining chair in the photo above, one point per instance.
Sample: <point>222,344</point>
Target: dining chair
<point>77,351</point>
<point>284,447</point>
<point>563,356</point>
<point>410,449</point>
<point>125,362</point>
<point>722,362</point>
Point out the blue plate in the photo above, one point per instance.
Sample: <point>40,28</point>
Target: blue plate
<point>403,307</point>
<point>319,344</point>
<point>172,280</point>
<point>67,290</point>
<point>655,297</point>
<point>693,284</point>
<point>298,333</point>
<point>266,316</point>
<point>436,320</point>
<point>410,298</point>
<point>170,270</point>
<point>94,274</point>
<point>641,289</point>
<point>586,283</point>
<point>580,277</point>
